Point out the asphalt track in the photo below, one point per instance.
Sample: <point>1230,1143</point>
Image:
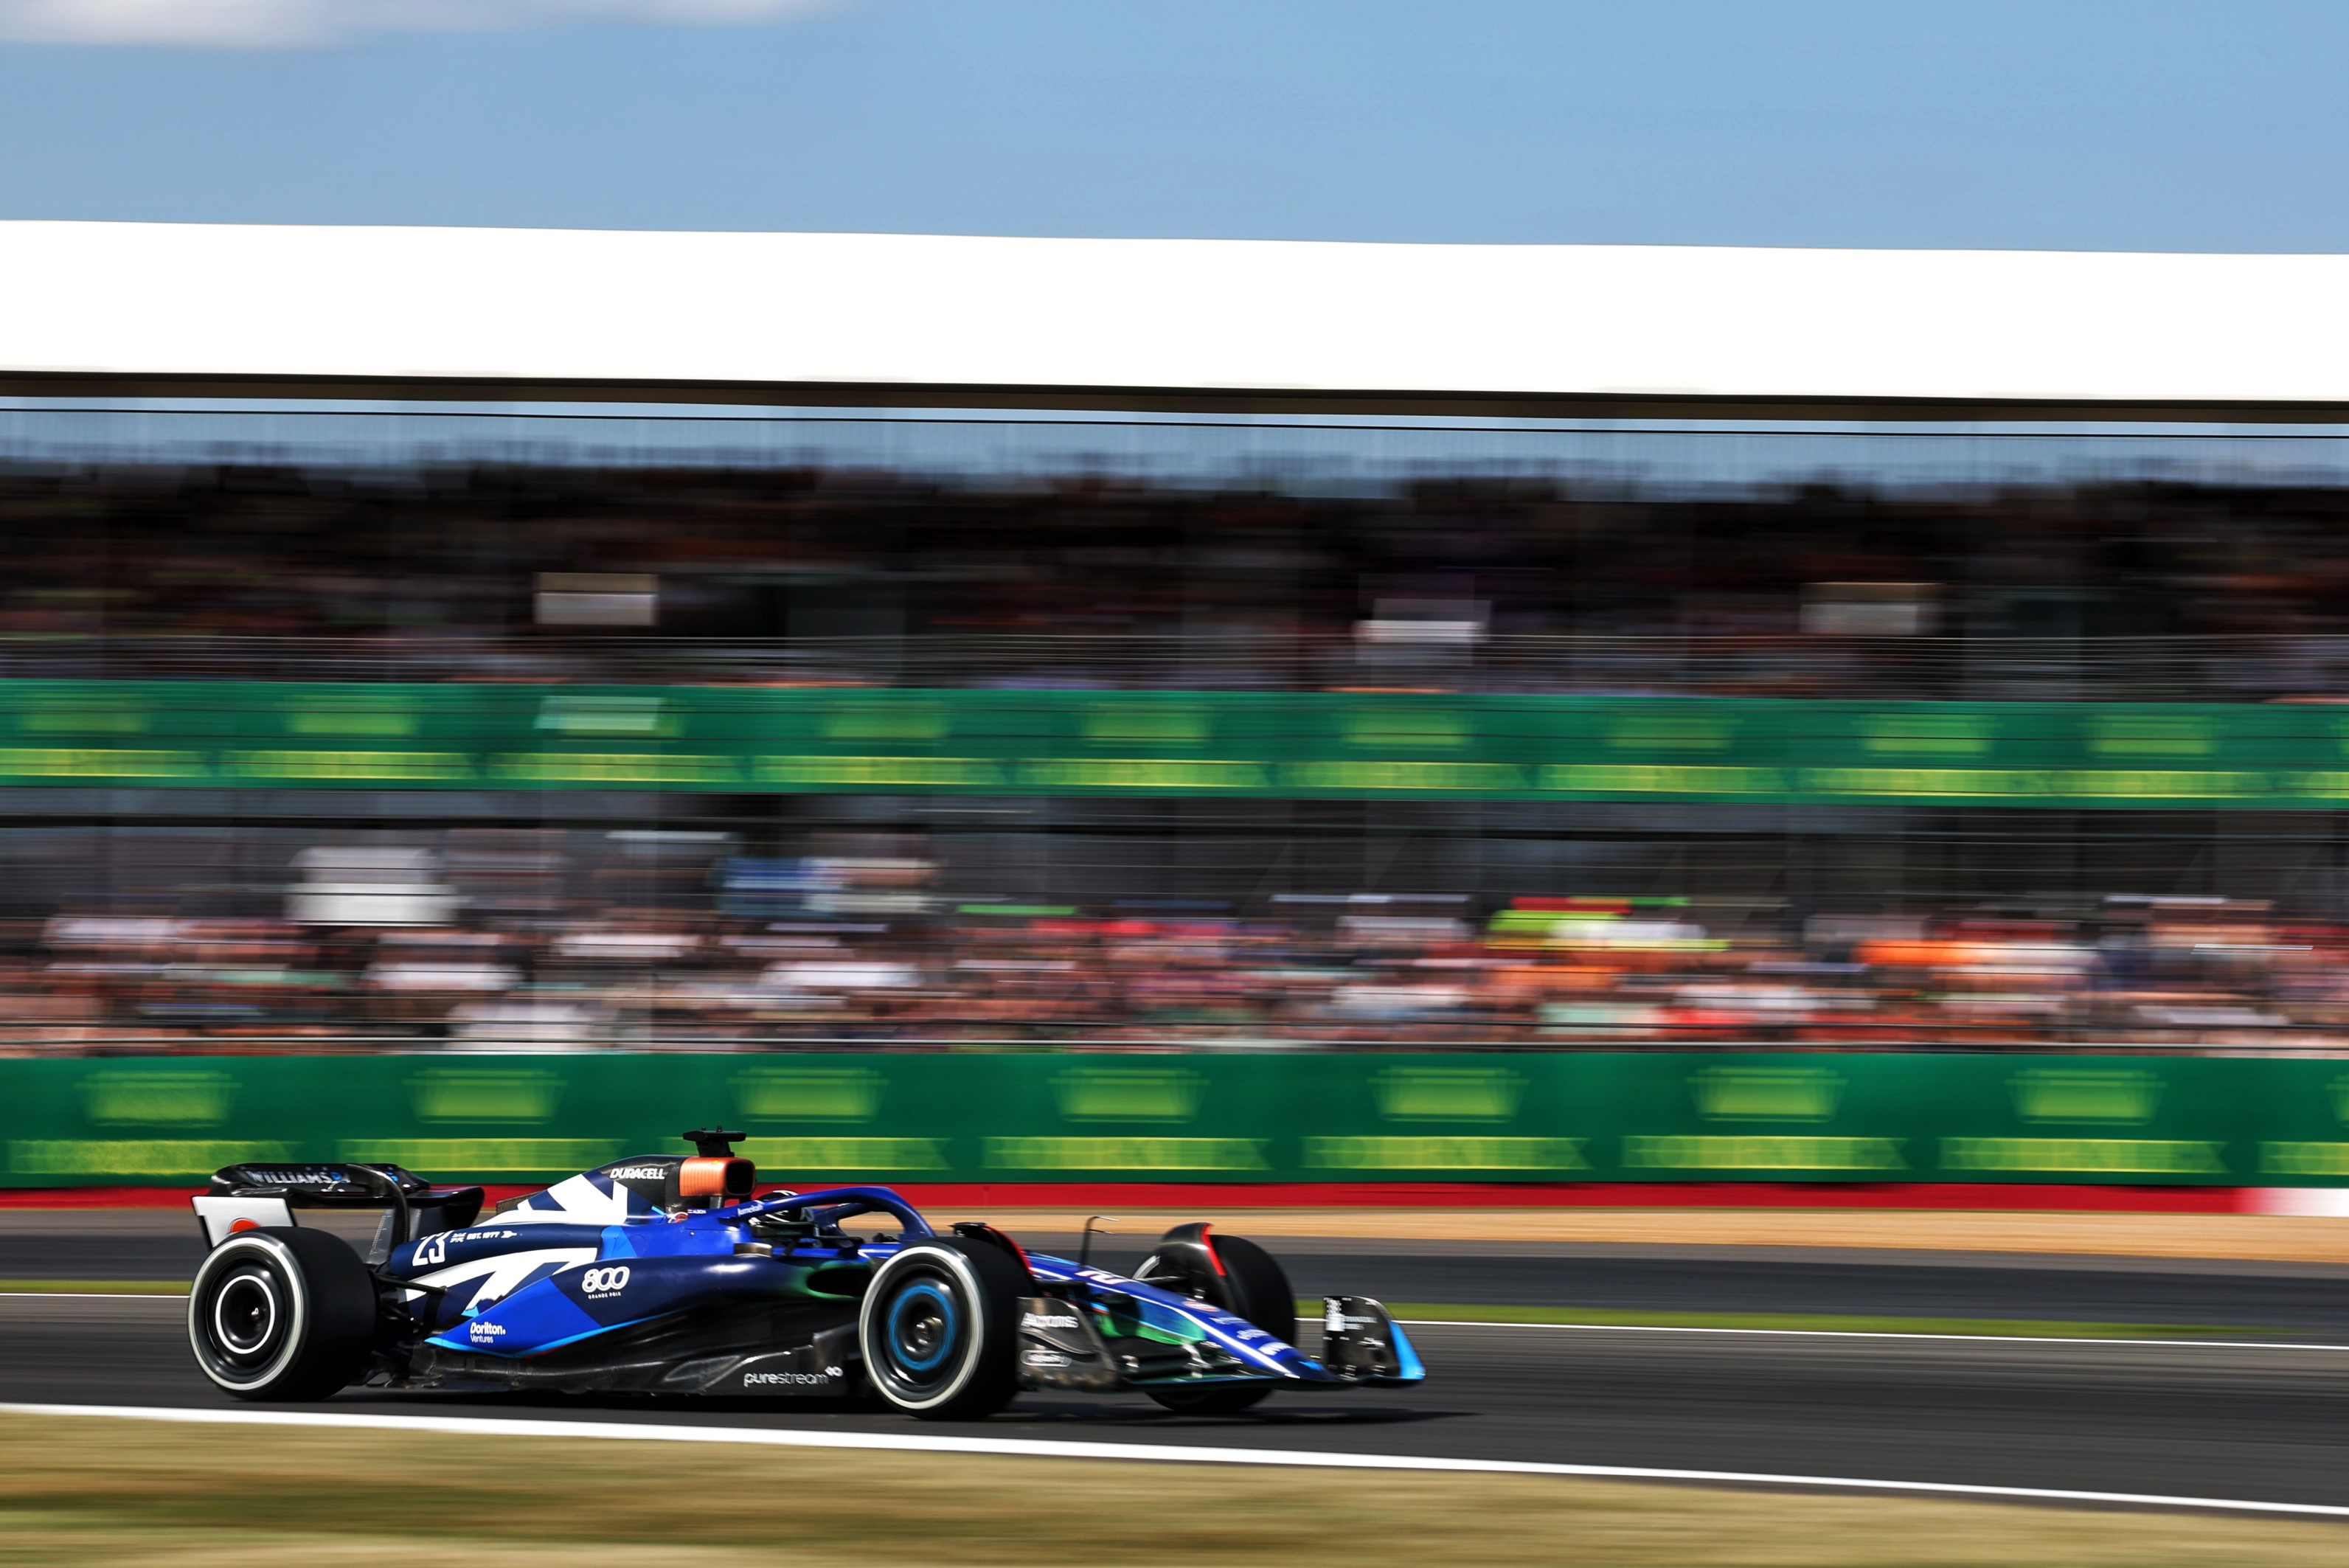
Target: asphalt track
<point>2299,1299</point>
<point>2258,1421</point>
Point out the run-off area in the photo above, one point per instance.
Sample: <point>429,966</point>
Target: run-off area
<point>91,1490</point>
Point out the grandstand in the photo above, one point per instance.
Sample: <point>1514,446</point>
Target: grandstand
<point>1457,671</point>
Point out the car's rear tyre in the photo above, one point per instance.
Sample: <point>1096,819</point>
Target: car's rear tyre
<point>281,1312</point>
<point>1255,1286</point>
<point>939,1329</point>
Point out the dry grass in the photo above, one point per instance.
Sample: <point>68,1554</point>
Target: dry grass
<point>2277,1238</point>
<point>91,1492</point>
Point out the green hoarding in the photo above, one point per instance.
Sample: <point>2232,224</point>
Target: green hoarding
<point>752,739</point>
<point>1268,1118</point>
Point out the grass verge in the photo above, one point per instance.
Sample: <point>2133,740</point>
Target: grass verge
<point>95,1287</point>
<point>116,1494</point>
<point>1816,1322</point>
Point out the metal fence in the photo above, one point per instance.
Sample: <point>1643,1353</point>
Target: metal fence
<point>2217,667</point>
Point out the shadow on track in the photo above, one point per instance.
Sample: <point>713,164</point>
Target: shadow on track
<point>1072,1417</point>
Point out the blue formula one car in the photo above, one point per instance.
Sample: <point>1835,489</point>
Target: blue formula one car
<point>666,1275</point>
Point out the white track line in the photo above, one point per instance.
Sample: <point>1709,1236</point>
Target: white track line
<point>92,1296</point>
<point>1874,1333</point>
<point>1161,1453</point>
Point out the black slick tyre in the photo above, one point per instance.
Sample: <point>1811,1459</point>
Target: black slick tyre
<point>281,1312</point>
<point>939,1328</point>
<point>1255,1286</point>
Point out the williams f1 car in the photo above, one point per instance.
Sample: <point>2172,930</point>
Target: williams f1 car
<point>666,1275</point>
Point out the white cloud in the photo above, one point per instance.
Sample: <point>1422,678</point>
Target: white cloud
<point>295,24</point>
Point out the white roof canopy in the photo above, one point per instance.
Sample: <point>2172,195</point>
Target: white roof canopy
<point>919,320</point>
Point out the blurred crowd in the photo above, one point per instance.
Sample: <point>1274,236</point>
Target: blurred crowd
<point>811,575</point>
<point>215,930</point>
<point>860,952</point>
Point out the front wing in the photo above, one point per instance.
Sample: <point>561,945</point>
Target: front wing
<point>1099,1331</point>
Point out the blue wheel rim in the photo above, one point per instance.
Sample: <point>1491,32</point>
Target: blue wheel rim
<point>924,1327</point>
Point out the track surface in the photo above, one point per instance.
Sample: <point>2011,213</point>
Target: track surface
<point>2303,1299</point>
<point>2270,1423</point>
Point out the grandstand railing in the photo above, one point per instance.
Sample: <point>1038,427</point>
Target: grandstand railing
<point>2224,668</point>
<point>53,1040</point>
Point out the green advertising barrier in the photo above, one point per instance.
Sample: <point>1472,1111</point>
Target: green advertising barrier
<point>1270,1117</point>
<point>219,734</point>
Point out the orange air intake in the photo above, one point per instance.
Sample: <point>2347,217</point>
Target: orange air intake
<point>710,1178</point>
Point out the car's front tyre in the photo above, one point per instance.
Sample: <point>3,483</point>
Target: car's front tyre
<point>1240,1277</point>
<point>281,1312</point>
<point>939,1329</point>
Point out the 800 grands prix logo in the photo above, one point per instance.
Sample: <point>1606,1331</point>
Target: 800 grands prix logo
<point>604,1282</point>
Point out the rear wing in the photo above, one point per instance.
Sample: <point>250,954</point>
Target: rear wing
<point>242,1197</point>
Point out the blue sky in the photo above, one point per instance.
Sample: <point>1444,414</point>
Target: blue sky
<point>2069,124</point>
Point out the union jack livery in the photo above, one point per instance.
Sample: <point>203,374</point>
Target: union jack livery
<point>671,1275</point>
